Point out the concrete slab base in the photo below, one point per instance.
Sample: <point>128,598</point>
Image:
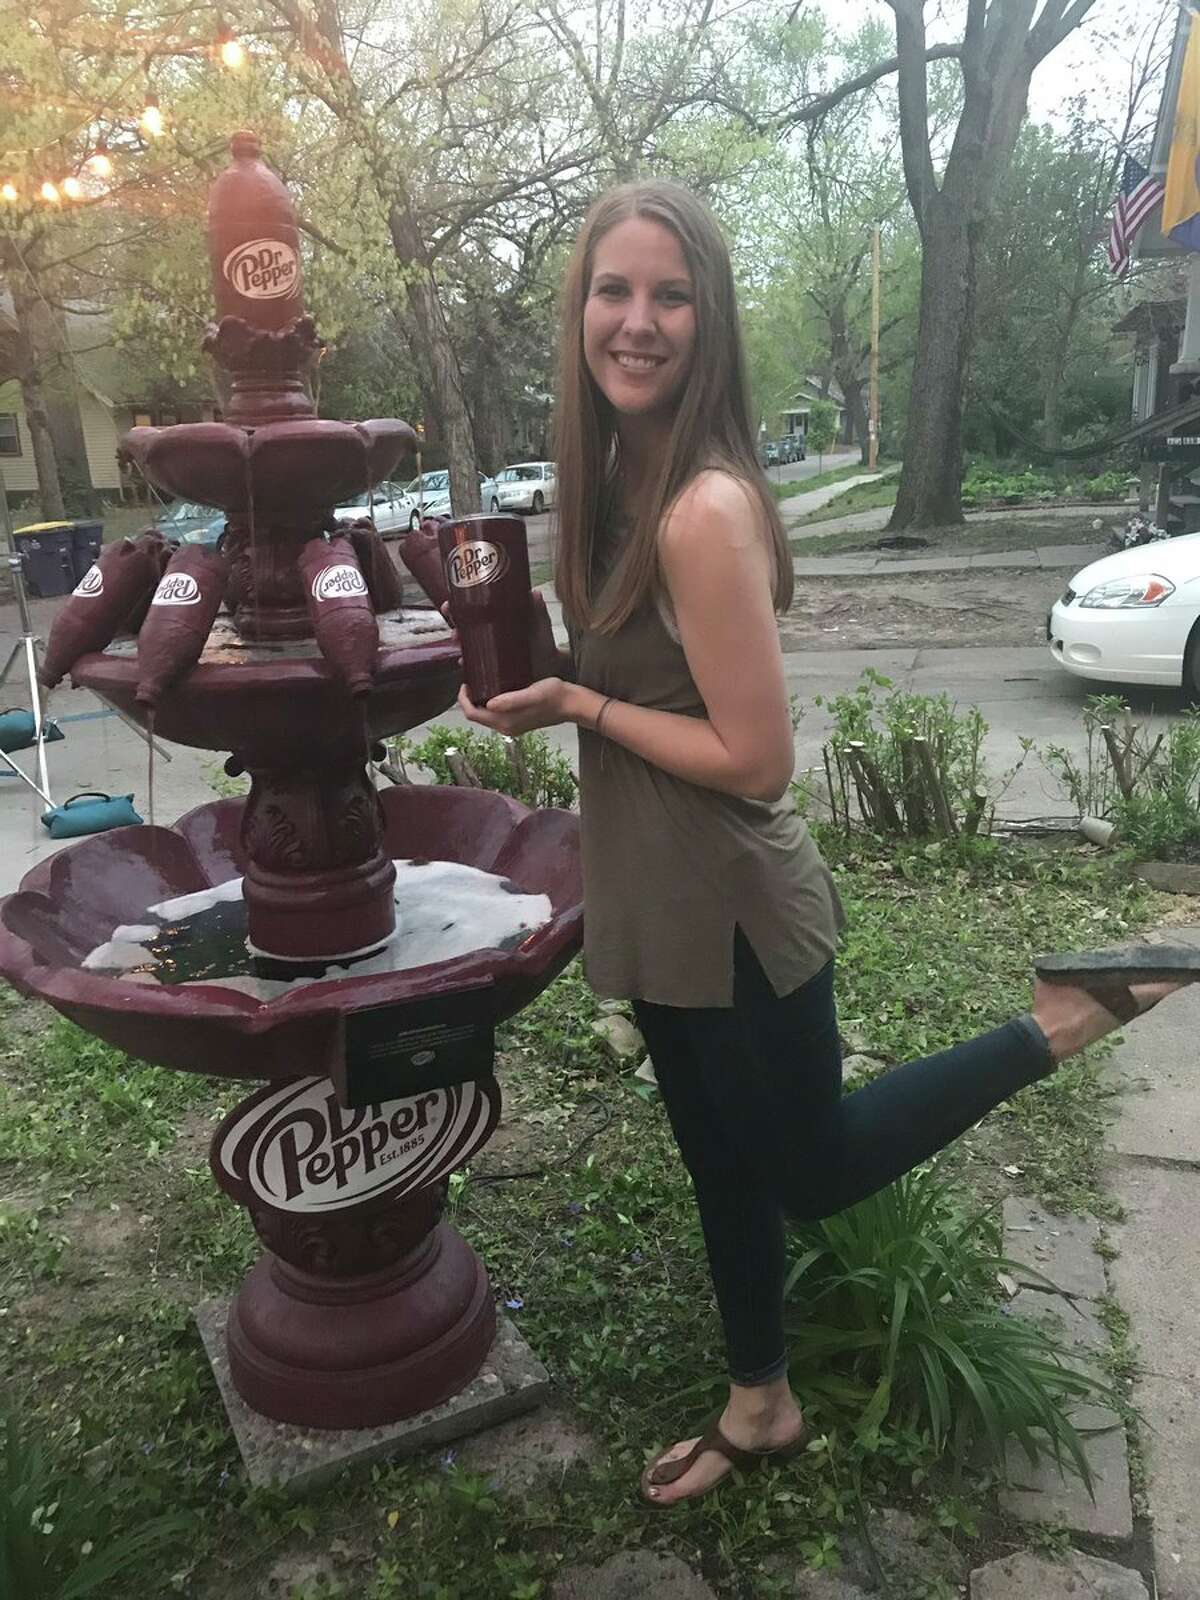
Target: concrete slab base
<point>511,1381</point>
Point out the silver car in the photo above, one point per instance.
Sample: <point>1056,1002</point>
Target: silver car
<point>430,495</point>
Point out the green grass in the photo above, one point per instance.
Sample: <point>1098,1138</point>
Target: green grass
<point>603,1250</point>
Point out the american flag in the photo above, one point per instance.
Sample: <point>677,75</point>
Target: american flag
<point>1137,198</point>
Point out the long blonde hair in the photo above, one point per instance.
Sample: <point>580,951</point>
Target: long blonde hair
<point>711,427</point>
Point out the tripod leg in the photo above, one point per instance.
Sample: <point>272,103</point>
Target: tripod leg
<point>24,777</point>
<point>34,694</point>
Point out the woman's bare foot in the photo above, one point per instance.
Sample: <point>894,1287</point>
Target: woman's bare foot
<point>765,1417</point>
<point>1072,1018</point>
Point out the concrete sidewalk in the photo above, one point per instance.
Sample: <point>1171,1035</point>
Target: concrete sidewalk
<point>874,564</point>
<point>800,505</point>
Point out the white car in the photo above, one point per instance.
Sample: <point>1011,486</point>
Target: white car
<point>1134,617</point>
<point>430,496</point>
<point>528,486</point>
<point>389,506</point>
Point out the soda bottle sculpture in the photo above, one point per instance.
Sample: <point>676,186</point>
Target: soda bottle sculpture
<point>375,1039</point>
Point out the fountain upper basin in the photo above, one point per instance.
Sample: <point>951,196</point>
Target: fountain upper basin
<point>277,702</point>
<point>282,469</point>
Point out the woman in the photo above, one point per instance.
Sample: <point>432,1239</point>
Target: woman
<point>707,904</point>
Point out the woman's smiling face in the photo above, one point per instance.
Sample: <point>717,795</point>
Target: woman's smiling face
<point>639,321</point>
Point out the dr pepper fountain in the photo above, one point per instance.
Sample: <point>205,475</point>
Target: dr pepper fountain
<point>351,950</point>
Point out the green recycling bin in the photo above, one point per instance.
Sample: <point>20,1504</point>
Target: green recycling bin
<point>46,550</point>
<point>85,546</point>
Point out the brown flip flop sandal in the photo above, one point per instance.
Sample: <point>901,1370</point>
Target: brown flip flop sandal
<point>660,1472</point>
<point>1107,974</point>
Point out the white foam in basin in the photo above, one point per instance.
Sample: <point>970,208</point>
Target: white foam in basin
<point>443,910</point>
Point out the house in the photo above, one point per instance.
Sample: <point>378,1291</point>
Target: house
<point>793,418</point>
<point>111,396</point>
<point>1156,328</point>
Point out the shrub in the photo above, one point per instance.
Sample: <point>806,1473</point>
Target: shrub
<point>529,768</point>
<point>899,1318</point>
<point>1149,788</point>
<point>908,765</point>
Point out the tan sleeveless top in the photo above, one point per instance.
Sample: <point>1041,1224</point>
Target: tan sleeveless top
<point>671,869</point>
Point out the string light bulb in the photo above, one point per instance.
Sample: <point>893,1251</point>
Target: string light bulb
<point>50,193</point>
<point>152,118</point>
<point>8,192</point>
<point>72,188</point>
<point>99,163</point>
<point>230,50</point>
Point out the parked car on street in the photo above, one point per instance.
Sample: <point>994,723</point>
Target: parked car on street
<point>794,447</point>
<point>389,505</point>
<point>190,523</point>
<point>527,486</point>
<point>430,496</point>
<point>1133,617</point>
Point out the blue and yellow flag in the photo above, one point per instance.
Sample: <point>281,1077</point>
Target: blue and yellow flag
<point>1181,205</point>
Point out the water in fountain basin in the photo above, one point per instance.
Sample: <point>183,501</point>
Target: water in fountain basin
<point>443,910</point>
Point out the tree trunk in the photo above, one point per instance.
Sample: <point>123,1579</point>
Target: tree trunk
<point>848,373</point>
<point>438,358</point>
<point>930,492</point>
<point>29,375</point>
<point>42,443</point>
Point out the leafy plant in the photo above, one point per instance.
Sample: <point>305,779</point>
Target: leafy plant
<point>54,1544</point>
<point>900,1320</point>
<point>912,764</point>
<point>1150,788</point>
<point>529,769</point>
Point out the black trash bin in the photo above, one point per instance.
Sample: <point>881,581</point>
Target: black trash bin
<point>85,547</point>
<point>47,561</point>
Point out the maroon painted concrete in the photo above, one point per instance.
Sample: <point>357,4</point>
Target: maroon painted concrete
<point>358,1319</point>
<point>71,902</point>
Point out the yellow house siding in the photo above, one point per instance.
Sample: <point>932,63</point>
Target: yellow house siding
<point>20,474</point>
<point>100,437</point>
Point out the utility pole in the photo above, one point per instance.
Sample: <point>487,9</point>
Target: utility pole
<point>873,423</point>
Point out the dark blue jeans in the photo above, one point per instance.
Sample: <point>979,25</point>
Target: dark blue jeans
<point>754,1095</point>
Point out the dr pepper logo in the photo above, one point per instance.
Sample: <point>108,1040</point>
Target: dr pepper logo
<point>478,561</point>
<point>294,1148</point>
<point>263,269</point>
<point>177,589</point>
<point>91,584</point>
<point>341,582</point>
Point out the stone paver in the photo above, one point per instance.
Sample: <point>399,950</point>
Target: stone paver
<point>633,1575</point>
<point>1042,1494</point>
<point>511,1381</point>
<point>1060,1248</point>
<point>1157,1062</point>
<point>1079,1577</point>
<point>1156,1278</point>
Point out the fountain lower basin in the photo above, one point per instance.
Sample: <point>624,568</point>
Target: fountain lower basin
<point>71,903</point>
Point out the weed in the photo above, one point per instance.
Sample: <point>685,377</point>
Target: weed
<point>529,769</point>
